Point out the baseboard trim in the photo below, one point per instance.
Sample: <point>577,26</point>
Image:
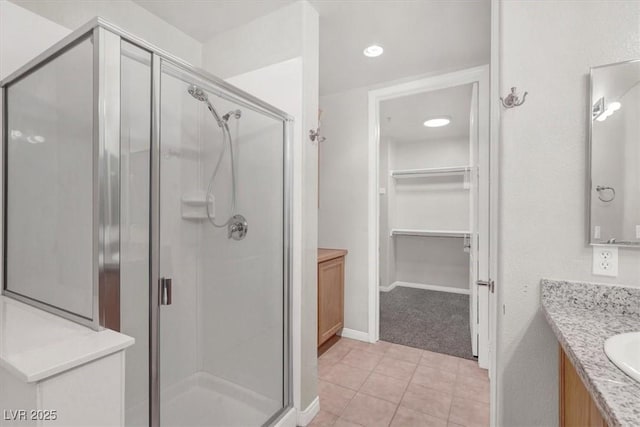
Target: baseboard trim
<point>288,419</point>
<point>305,417</point>
<point>425,286</point>
<point>354,335</point>
<point>388,288</point>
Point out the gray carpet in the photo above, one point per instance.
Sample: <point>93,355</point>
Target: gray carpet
<point>430,320</point>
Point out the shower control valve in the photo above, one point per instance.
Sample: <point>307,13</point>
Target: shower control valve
<point>238,228</point>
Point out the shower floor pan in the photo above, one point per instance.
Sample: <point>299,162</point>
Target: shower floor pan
<point>206,400</point>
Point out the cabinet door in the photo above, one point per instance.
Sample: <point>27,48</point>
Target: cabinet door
<point>577,409</point>
<point>330,298</point>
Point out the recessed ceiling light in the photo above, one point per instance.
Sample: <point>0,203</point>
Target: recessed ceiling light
<point>373,51</point>
<point>437,122</point>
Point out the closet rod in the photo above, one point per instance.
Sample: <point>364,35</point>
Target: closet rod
<point>409,173</point>
<point>429,233</point>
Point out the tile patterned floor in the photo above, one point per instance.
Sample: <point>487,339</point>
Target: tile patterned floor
<point>384,384</point>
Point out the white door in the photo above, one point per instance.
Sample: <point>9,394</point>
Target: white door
<point>471,179</point>
<point>479,227</point>
<point>481,283</point>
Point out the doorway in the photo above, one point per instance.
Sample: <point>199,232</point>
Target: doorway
<point>428,217</point>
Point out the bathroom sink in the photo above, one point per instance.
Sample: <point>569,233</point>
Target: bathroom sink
<point>624,351</point>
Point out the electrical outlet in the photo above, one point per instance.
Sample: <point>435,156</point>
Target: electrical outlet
<point>605,261</point>
<point>596,232</point>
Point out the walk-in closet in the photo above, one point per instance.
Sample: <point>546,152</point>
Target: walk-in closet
<point>428,158</point>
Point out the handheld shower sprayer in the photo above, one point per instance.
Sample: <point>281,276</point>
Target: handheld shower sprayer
<point>201,96</point>
<point>236,224</point>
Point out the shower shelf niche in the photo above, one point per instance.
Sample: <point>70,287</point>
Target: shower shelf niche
<point>194,205</point>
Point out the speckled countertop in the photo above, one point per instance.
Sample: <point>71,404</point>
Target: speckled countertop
<point>583,316</point>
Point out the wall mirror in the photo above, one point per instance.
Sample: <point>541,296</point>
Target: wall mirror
<point>615,154</point>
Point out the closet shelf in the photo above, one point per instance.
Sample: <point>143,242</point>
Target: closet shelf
<point>429,233</point>
<point>417,173</point>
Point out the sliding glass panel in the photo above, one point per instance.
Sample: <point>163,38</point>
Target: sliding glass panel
<point>135,142</point>
<point>50,183</point>
<point>222,337</point>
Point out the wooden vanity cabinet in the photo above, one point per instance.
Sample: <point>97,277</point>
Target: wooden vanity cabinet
<point>577,408</point>
<point>330,293</point>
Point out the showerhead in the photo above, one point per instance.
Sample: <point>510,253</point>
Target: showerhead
<point>198,93</point>
<point>201,96</point>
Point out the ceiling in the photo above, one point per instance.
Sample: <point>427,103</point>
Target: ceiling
<point>418,36</point>
<point>203,19</point>
<point>401,119</point>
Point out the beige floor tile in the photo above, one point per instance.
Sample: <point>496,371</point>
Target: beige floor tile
<point>324,366</point>
<point>334,398</point>
<point>402,352</point>
<point>381,347</point>
<point>469,413</point>
<point>437,379</point>
<point>474,388</point>
<point>406,417</point>
<point>428,401</point>
<point>369,411</point>
<point>336,352</point>
<point>395,368</point>
<point>323,419</point>
<point>341,422</point>
<point>354,343</point>
<point>362,359</point>
<point>384,387</point>
<point>440,361</point>
<point>470,368</point>
<point>346,376</point>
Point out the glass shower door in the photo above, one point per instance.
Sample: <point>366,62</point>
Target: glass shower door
<point>223,339</point>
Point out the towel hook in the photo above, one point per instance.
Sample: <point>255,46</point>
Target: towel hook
<point>314,134</point>
<point>600,189</point>
<point>513,100</point>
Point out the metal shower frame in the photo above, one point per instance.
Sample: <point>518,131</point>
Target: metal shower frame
<point>106,185</point>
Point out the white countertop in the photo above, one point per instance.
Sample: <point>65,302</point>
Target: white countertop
<point>35,345</point>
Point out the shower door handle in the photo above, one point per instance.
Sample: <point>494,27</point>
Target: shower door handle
<point>165,291</point>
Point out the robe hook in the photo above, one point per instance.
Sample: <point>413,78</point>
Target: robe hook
<point>513,100</point>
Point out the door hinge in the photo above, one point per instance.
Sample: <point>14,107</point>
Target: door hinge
<point>488,283</point>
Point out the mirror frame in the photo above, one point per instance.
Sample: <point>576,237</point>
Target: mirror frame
<point>589,185</point>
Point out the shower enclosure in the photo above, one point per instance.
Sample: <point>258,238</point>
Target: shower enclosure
<point>146,196</point>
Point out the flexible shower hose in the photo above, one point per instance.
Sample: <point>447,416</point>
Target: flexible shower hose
<point>226,139</point>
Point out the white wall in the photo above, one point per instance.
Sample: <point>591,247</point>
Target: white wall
<point>267,40</point>
<point>13,21</point>
<point>434,203</point>
<point>124,13</point>
<point>547,49</point>
<point>342,217</point>
<point>386,244</point>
